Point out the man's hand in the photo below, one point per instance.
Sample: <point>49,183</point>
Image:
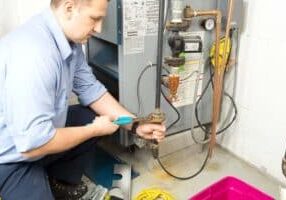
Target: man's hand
<point>151,131</point>
<point>103,125</point>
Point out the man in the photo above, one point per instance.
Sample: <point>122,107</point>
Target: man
<point>41,63</point>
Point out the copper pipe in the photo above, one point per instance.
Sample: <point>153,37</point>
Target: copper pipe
<point>227,30</point>
<point>218,75</point>
<point>217,91</point>
<point>189,13</point>
<point>218,82</point>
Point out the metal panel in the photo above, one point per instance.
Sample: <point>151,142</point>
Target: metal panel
<point>111,29</point>
<point>238,12</point>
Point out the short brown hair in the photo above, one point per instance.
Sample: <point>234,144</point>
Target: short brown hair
<point>56,3</point>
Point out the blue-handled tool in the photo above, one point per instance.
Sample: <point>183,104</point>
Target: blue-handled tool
<point>123,120</point>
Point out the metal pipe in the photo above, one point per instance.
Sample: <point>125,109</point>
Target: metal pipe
<point>159,53</point>
<point>177,7</point>
<point>158,116</point>
<point>189,13</point>
<point>218,82</point>
<point>227,30</point>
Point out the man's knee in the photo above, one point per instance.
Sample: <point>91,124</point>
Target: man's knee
<point>25,181</point>
<point>79,115</point>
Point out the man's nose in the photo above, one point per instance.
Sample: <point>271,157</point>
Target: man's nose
<point>98,27</point>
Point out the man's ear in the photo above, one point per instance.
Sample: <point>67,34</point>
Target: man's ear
<point>68,8</point>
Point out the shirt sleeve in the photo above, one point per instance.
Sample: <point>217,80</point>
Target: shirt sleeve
<point>29,99</point>
<point>85,84</point>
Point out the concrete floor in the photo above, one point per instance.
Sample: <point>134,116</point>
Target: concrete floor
<point>187,161</point>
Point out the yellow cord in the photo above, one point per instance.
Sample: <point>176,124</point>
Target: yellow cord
<point>221,50</point>
<point>154,194</point>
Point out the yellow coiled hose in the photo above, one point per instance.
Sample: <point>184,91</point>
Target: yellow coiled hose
<point>154,194</point>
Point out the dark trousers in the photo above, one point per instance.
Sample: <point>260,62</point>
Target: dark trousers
<point>29,180</point>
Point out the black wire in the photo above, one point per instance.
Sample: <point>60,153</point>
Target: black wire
<point>202,127</point>
<point>139,99</point>
<point>187,177</point>
<point>184,130</point>
<point>172,124</point>
<point>225,94</point>
<point>138,86</point>
<point>189,76</point>
<point>179,117</point>
<point>174,108</point>
<point>165,68</point>
<point>197,103</point>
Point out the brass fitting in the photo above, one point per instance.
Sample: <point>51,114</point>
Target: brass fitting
<point>173,85</point>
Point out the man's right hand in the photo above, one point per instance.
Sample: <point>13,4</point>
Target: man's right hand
<point>103,125</point>
<point>69,137</point>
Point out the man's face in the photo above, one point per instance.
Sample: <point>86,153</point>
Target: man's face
<point>85,19</point>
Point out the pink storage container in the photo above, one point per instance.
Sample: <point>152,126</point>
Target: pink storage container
<point>231,188</point>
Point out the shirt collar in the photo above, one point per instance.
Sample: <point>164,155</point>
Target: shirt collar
<point>57,33</point>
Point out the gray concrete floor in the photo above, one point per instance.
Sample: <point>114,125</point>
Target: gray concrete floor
<point>187,161</point>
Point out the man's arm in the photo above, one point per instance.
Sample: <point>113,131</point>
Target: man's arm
<point>109,109</point>
<point>107,105</point>
<point>67,138</point>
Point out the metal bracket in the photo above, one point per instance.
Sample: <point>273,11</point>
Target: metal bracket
<point>124,184</point>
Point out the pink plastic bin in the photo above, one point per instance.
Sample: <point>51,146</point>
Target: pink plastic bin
<point>231,188</point>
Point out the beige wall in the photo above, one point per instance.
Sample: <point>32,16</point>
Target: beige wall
<point>259,134</point>
<point>15,12</point>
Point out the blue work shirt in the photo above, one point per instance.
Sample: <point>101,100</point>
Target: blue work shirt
<point>39,69</point>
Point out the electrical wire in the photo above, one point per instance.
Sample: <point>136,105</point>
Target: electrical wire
<point>197,117</point>
<point>179,116</point>
<point>210,81</point>
<point>206,131</point>
<point>224,93</point>
<point>200,125</point>
<point>189,76</point>
<point>195,98</point>
<point>174,108</point>
<point>178,119</point>
<point>160,162</point>
<point>163,94</point>
<point>187,177</point>
<point>138,87</point>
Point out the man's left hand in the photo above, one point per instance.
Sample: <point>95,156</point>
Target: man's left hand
<point>151,131</point>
